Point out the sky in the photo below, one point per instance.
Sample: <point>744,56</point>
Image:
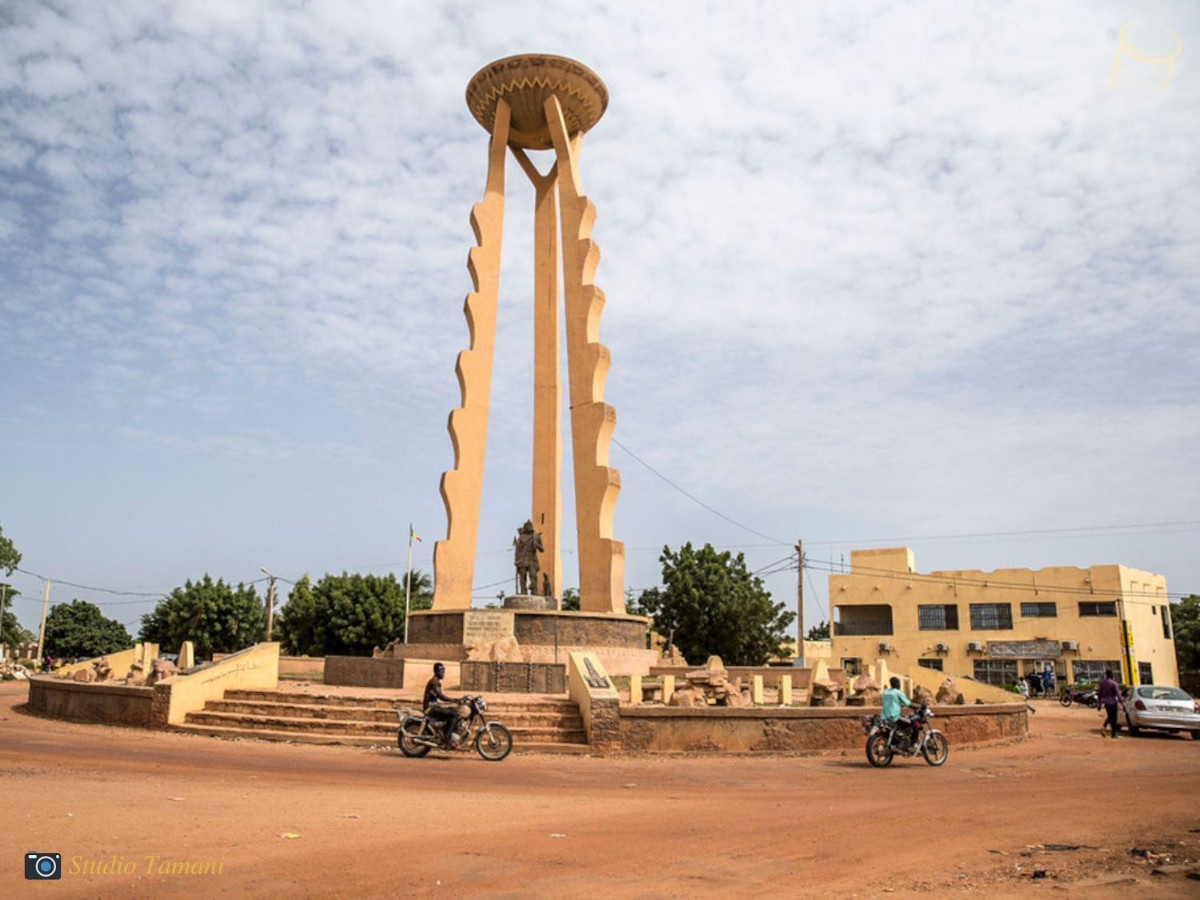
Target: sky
<point>877,274</point>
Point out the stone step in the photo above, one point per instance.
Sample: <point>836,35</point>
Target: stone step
<point>533,704</point>
<point>522,747</point>
<point>379,730</point>
<point>545,718</point>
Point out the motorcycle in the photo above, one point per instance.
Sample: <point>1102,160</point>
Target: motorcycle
<point>1078,695</point>
<point>419,733</point>
<point>885,739</point>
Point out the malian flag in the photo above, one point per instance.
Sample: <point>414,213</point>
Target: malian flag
<point>412,534</point>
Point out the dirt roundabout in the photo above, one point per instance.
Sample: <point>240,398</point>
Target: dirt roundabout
<point>131,812</point>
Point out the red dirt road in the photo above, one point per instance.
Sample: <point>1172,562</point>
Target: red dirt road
<point>372,823</point>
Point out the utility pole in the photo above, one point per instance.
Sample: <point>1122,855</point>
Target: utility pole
<point>408,581</point>
<point>42,627</point>
<point>270,600</point>
<point>800,603</point>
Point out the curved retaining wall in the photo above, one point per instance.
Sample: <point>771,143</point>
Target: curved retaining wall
<point>776,730</point>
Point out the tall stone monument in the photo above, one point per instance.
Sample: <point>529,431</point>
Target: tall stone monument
<point>529,103</point>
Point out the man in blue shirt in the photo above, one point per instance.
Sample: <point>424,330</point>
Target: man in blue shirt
<point>894,701</point>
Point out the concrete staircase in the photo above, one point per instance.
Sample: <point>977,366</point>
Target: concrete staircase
<point>538,724</point>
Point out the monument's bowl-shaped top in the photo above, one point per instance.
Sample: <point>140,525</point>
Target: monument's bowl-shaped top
<point>526,82</point>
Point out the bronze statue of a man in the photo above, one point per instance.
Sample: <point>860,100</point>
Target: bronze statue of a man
<point>527,544</point>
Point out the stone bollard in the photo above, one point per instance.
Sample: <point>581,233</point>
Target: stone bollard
<point>785,690</point>
<point>756,690</point>
<point>668,688</point>
<point>635,688</point>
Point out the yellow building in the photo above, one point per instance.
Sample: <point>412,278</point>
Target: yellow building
<point>999,626</point>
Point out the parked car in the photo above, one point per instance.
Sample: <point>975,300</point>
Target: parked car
<point>1162,708</point>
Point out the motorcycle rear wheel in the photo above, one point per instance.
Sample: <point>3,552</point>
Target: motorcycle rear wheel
<point>1065,699</point>
<point>408,745</point>
<point>936,748</point>
<point>879,754</point>
<point>498,746</point>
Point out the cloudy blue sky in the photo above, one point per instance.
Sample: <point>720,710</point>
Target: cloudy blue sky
<point>877,274</point>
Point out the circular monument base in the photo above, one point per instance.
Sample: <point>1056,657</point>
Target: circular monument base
<point>528,636</point>
<point>531,601</point>
<point>530,627</point>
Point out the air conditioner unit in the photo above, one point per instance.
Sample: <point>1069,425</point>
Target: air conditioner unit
<point>942,648</point>
<point>885,647</point>
<point>974,647</point>
<point>1070,645</point>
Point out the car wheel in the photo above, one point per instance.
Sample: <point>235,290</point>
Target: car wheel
<point>1196,735</point>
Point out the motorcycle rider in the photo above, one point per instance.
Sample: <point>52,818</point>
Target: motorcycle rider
<point>894,701</point>
<point>436,710</point>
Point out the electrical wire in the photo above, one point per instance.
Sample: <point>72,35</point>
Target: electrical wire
<point>696,500</point>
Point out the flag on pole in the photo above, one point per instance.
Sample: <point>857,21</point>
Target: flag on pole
<point>412,535</point>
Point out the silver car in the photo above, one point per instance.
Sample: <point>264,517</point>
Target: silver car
<point>1160,707</point>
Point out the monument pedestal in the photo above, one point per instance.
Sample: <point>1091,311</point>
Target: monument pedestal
<point>541,635</point>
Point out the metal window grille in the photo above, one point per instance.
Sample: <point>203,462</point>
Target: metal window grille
<point>937,617</point>
<point>991,616</point>
<point>1102,608</point>
<point>1039,610</point>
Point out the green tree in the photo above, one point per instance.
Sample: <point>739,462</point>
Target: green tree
<point>10,557</point>
<point>818,632</point>
<point>216,617</point>
<point>79,629</point>
<point>570,600</point>
<point>1185,617</point>
<point>346,615</point>
<point>11,631</point>
<point>711,605</point>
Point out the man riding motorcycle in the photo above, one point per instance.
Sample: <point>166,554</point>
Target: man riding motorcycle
<point>894,701</point>
<point>436,710</point>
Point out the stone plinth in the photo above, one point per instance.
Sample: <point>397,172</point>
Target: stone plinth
<point>541,636</point>
<point>531,601</point>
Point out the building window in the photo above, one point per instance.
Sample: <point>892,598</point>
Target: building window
<point>1145,673</point>
<point>853,621</point>
<point>1166,617</point>
<point>1039,610</point>
<point>1090,671</point>
<point>1103,608</point>
<point>996,671</point>
<point>937,618</point>
<point>930,664</point>
<point>991,616</point>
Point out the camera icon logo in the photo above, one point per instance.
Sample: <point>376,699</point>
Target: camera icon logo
<point>43,866</point>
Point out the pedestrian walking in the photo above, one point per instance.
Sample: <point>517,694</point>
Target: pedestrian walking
<point>1109,695</point>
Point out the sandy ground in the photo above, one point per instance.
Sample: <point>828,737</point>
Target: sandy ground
<point>325,821</point>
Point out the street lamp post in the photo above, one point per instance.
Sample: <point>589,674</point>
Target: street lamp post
<point>270,600</point>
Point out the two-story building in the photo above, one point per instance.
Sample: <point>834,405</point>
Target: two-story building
<point>999,626</point>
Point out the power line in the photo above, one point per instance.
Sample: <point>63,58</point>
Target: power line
<point>696,500</point>
<point>1144,528</point>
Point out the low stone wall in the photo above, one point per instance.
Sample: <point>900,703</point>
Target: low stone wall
<point>771,675</point>
<point>599,704</point>
<point>395,672</point>
<point>293,666</point>
<point>514,678</point>
<point>107,704</point>
<point>364,671</point>
<point>255,668</point>
<point>302,667</point>
<point>776,730</point>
